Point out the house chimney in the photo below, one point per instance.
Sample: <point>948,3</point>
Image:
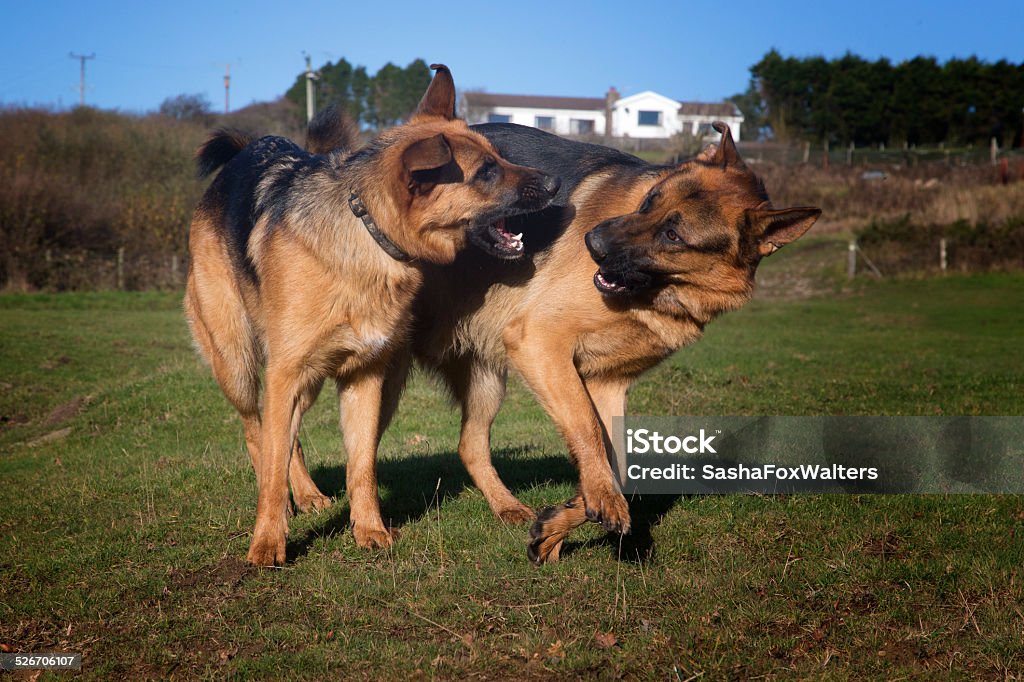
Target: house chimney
<point>609,105</point>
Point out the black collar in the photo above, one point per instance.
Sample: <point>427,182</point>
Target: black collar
<point>390,248</point>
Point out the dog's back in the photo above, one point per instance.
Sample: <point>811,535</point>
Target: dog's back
<point>570,160</point>
<point>255,178</point>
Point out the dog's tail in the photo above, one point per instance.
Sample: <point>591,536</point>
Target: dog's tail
<point>331,130</point>
<point>222,146</point>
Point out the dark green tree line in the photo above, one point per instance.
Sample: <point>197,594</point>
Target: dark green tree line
<point>378,101</point>
<point>851,99</point>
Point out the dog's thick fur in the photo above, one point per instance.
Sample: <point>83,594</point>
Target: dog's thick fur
<point>285,276</point>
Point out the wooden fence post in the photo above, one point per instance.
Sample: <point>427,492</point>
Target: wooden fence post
<point>851,260</point>
<point>849,155</point>
<point>942,254</point>
<point>120,268</point>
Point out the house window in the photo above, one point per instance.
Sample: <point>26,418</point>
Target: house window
<point>499,118</point>
<point>544,122</point>
<point>649,118</point>
<point>581,126</point>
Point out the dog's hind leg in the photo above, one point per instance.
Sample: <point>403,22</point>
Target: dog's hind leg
<point>305,494</point>
<point>285,398</point>
<point>223,335</point>
<point>394,383</point>
<point>480,391</point>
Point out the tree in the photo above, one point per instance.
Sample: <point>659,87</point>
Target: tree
<point>381,100</point>
<point>186,107</point>
<point>850,99</point>
<point>752,106</point>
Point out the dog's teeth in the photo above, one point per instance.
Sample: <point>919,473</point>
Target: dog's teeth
<point>518,237</point>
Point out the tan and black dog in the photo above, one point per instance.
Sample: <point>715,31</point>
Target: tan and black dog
<point>307,265</point>
<point>645,257</point>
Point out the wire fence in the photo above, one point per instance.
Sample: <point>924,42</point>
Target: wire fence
<point>82,270</point>
<point>828,156</point>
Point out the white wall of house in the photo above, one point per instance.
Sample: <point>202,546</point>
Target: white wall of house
<point>561,120</point>
<point>643,115</point>
<point>646,114</point>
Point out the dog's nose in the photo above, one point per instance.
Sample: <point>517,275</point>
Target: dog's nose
<point>551,184</point>
<point>595,244</point>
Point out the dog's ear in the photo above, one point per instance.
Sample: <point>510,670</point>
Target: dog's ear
<point>439,99</point>
<point>726,154</point>
<point>708,153</point>
<point>422,159</point>
<point>774,228</point>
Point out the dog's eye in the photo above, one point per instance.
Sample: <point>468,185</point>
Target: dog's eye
<point>672,235</point>
<point>488,169</point>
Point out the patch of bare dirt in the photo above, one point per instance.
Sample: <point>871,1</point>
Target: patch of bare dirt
<point>68,410</point>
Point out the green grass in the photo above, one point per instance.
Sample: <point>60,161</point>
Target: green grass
<point>127,501</point>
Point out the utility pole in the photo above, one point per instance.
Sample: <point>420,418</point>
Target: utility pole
<point>310,93</point>
<point>227,87</point>
<point>81,78</point>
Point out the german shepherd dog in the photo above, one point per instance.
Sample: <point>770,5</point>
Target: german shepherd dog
<point>307,265</point>
<point>627,265</point>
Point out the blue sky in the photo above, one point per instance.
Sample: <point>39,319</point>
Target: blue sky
<point>146,51</point>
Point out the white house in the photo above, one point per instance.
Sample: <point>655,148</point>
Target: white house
<point>643,115</point>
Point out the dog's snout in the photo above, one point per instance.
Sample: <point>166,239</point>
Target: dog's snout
<point>552,183</point>
<point>595,244</point>
<point>538,189</point>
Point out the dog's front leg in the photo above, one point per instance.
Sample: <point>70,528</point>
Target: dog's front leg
<point>554,524</point>
<point>360,399</point>
<point>281,416</point>
<point>551,374</point>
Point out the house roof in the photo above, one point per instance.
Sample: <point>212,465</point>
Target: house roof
<point>646,95</point>
<point>708,109</point>
<point>487,99</point>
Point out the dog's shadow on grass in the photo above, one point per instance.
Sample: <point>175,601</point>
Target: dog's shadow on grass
<point>412,486</point>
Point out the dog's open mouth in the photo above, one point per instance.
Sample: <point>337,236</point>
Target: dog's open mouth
<point>609,283</point>
<point>497,240</point>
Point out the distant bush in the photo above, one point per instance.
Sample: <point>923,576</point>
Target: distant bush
<point>77,186</point>
<point>901,245</point>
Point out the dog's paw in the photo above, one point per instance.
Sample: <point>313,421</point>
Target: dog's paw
<point>369,537</point>
<point>311,502</point>
<point>266,550</point>
<point>545,543</point>
<point>608,507</point>
<point>550,530</point>
<point>517,514</point>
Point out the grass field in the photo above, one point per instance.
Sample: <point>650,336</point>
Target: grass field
<point>127,501</point>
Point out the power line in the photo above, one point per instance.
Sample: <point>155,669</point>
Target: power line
<point>81,79</point>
